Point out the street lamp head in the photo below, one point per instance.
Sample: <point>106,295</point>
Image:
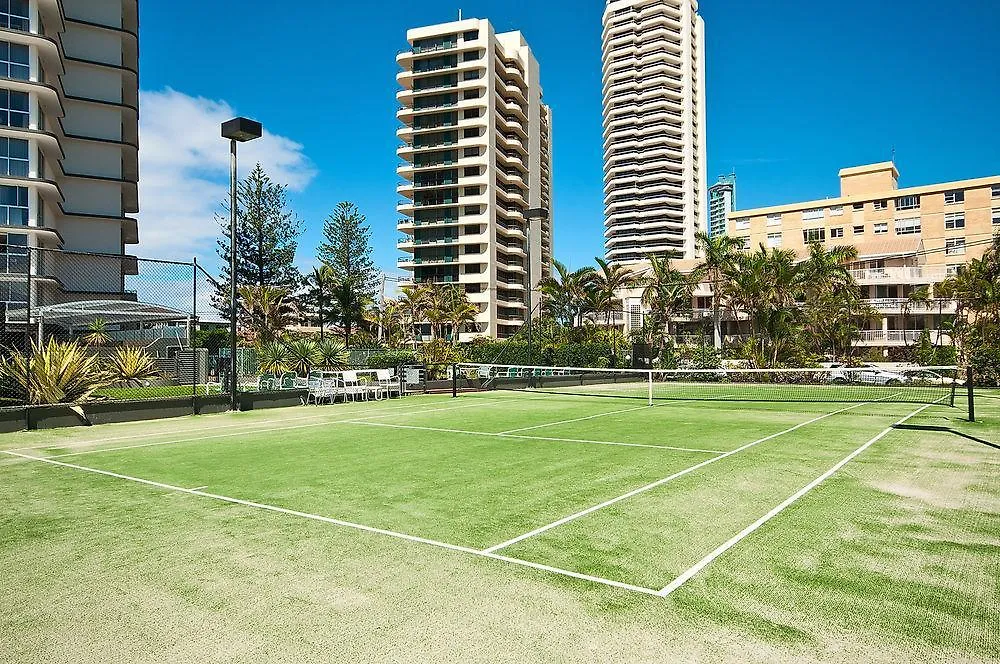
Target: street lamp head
<point>242,130</point>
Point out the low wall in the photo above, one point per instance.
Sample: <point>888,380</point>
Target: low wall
<point>23,418</point>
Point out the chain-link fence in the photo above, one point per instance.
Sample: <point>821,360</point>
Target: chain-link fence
<point>80,327</point>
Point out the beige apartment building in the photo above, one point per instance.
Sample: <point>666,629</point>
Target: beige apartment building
<point>654,128</point>
<point>906,238</point>
<point>476,159</point>
<point>69,156</point>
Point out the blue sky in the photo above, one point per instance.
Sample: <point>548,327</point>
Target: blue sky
<point>796,91</point>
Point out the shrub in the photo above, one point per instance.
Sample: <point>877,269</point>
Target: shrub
<point>131,365</point>
<point>57,372</point>
<point>304,354</point>
<point>213,340</point>
<point>390,359</point>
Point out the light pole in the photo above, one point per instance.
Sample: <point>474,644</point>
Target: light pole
<point>237,130</point>
<point>541,214</point>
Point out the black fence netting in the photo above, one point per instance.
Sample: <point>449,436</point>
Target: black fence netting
<point>87,327</point>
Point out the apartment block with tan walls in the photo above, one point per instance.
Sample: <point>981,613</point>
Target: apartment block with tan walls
<point>906,238</point>
<point>476,158</point>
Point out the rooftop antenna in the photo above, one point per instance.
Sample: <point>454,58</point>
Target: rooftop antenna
<point>459,14</point>
<point>894,154</point>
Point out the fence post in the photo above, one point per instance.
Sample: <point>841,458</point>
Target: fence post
<point>191,335</point>
<point>969,375</point>
<point>27,309</point>
<point>454,381</point>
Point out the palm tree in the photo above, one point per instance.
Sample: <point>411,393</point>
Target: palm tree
<point>267,311</point>
<point>719,252</point>
<point>461,315</point>
<point>564,294</point>
<point>609,280</point>
<point>320,283</point>
<point>414,302</point>
<point>666,292</point>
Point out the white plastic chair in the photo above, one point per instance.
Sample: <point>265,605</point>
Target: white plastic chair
<point>318,390</point>
<point>388,383</point>
<point>352,387</point>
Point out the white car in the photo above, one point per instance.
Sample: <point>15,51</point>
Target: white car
<point>928,377</point>
<point>869,374</point>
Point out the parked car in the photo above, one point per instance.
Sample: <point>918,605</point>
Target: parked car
<point>928,377</point>
<point>868,374</point>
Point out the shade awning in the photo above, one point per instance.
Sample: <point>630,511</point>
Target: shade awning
<point>113,312</point>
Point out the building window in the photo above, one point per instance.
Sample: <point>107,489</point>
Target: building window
<point>859,230</point>
<point>837,211</point>
<point>836,233</point>
<point>954,197</point>
<point>14,15</point>
<point>14,109</point>
<point>995,191</point>
<point>774,219</point>
<point>472,191</point>
<point>13,206</point>
<point>472,209</point>
<point>810,215</point>
<point>471,133</point>
<point>996,216</point>
<point>882,228</point>
<point>471,94</point>
<point>811,235</point>
<point>744,243</point>
<point>14,61</point>
<point>470,56</point>
<point>471,152</point>
<point>881,205</point>
<point>859,207</point>
<point>471,35</point>
<point>470,75</point>
<point>954,220</point>
<point>743,223</point>
<point>13,253</point>
<point>14,157</point>
<point>471,113</point>
<point>774,240</point>
<point>954,246</point>
<point>473,171</point>
<point>907,202</point>
<point>908,226</point>
<point>952,270</point>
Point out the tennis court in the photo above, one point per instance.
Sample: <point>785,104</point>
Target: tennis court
<point>559,480</point>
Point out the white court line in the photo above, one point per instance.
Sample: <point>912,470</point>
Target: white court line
<point>199,488</point>
<point>276,421</point>
<point>346,524</point>
<point>544,438</point>
<point>707,560</point>
<point>648,487</point>
<point>233,434</point>
<point>593,417</point>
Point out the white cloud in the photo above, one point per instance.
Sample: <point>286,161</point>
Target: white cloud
<point>184,171</point>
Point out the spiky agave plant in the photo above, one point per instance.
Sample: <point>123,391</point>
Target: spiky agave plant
<point>131,366</point>
<point>56,372</point>
<point>333,355</point>
<point>274,357</point>
<point>304,354</point>
<point>97,333</point>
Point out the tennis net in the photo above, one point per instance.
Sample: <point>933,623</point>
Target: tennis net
<point>920,385</point>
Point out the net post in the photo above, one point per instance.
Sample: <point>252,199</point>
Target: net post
<point>191,335</point>
<point>454,381</point>
<point>650,388</point>
<point>969,375</point>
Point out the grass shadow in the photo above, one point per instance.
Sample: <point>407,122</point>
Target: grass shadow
<point>940,429</point>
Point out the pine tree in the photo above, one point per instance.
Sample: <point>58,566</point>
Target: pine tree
<point>347,251</point>
<point>267,235</point>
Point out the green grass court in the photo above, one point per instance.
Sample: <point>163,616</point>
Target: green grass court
<point>510,526</point>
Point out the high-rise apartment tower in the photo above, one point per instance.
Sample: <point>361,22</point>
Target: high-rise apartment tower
<point>721,201</point>
<point>654,128</point>
<point>69,147</point>
<point>477,158</point>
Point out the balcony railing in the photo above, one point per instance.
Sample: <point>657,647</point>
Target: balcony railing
<point>892,275</point>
